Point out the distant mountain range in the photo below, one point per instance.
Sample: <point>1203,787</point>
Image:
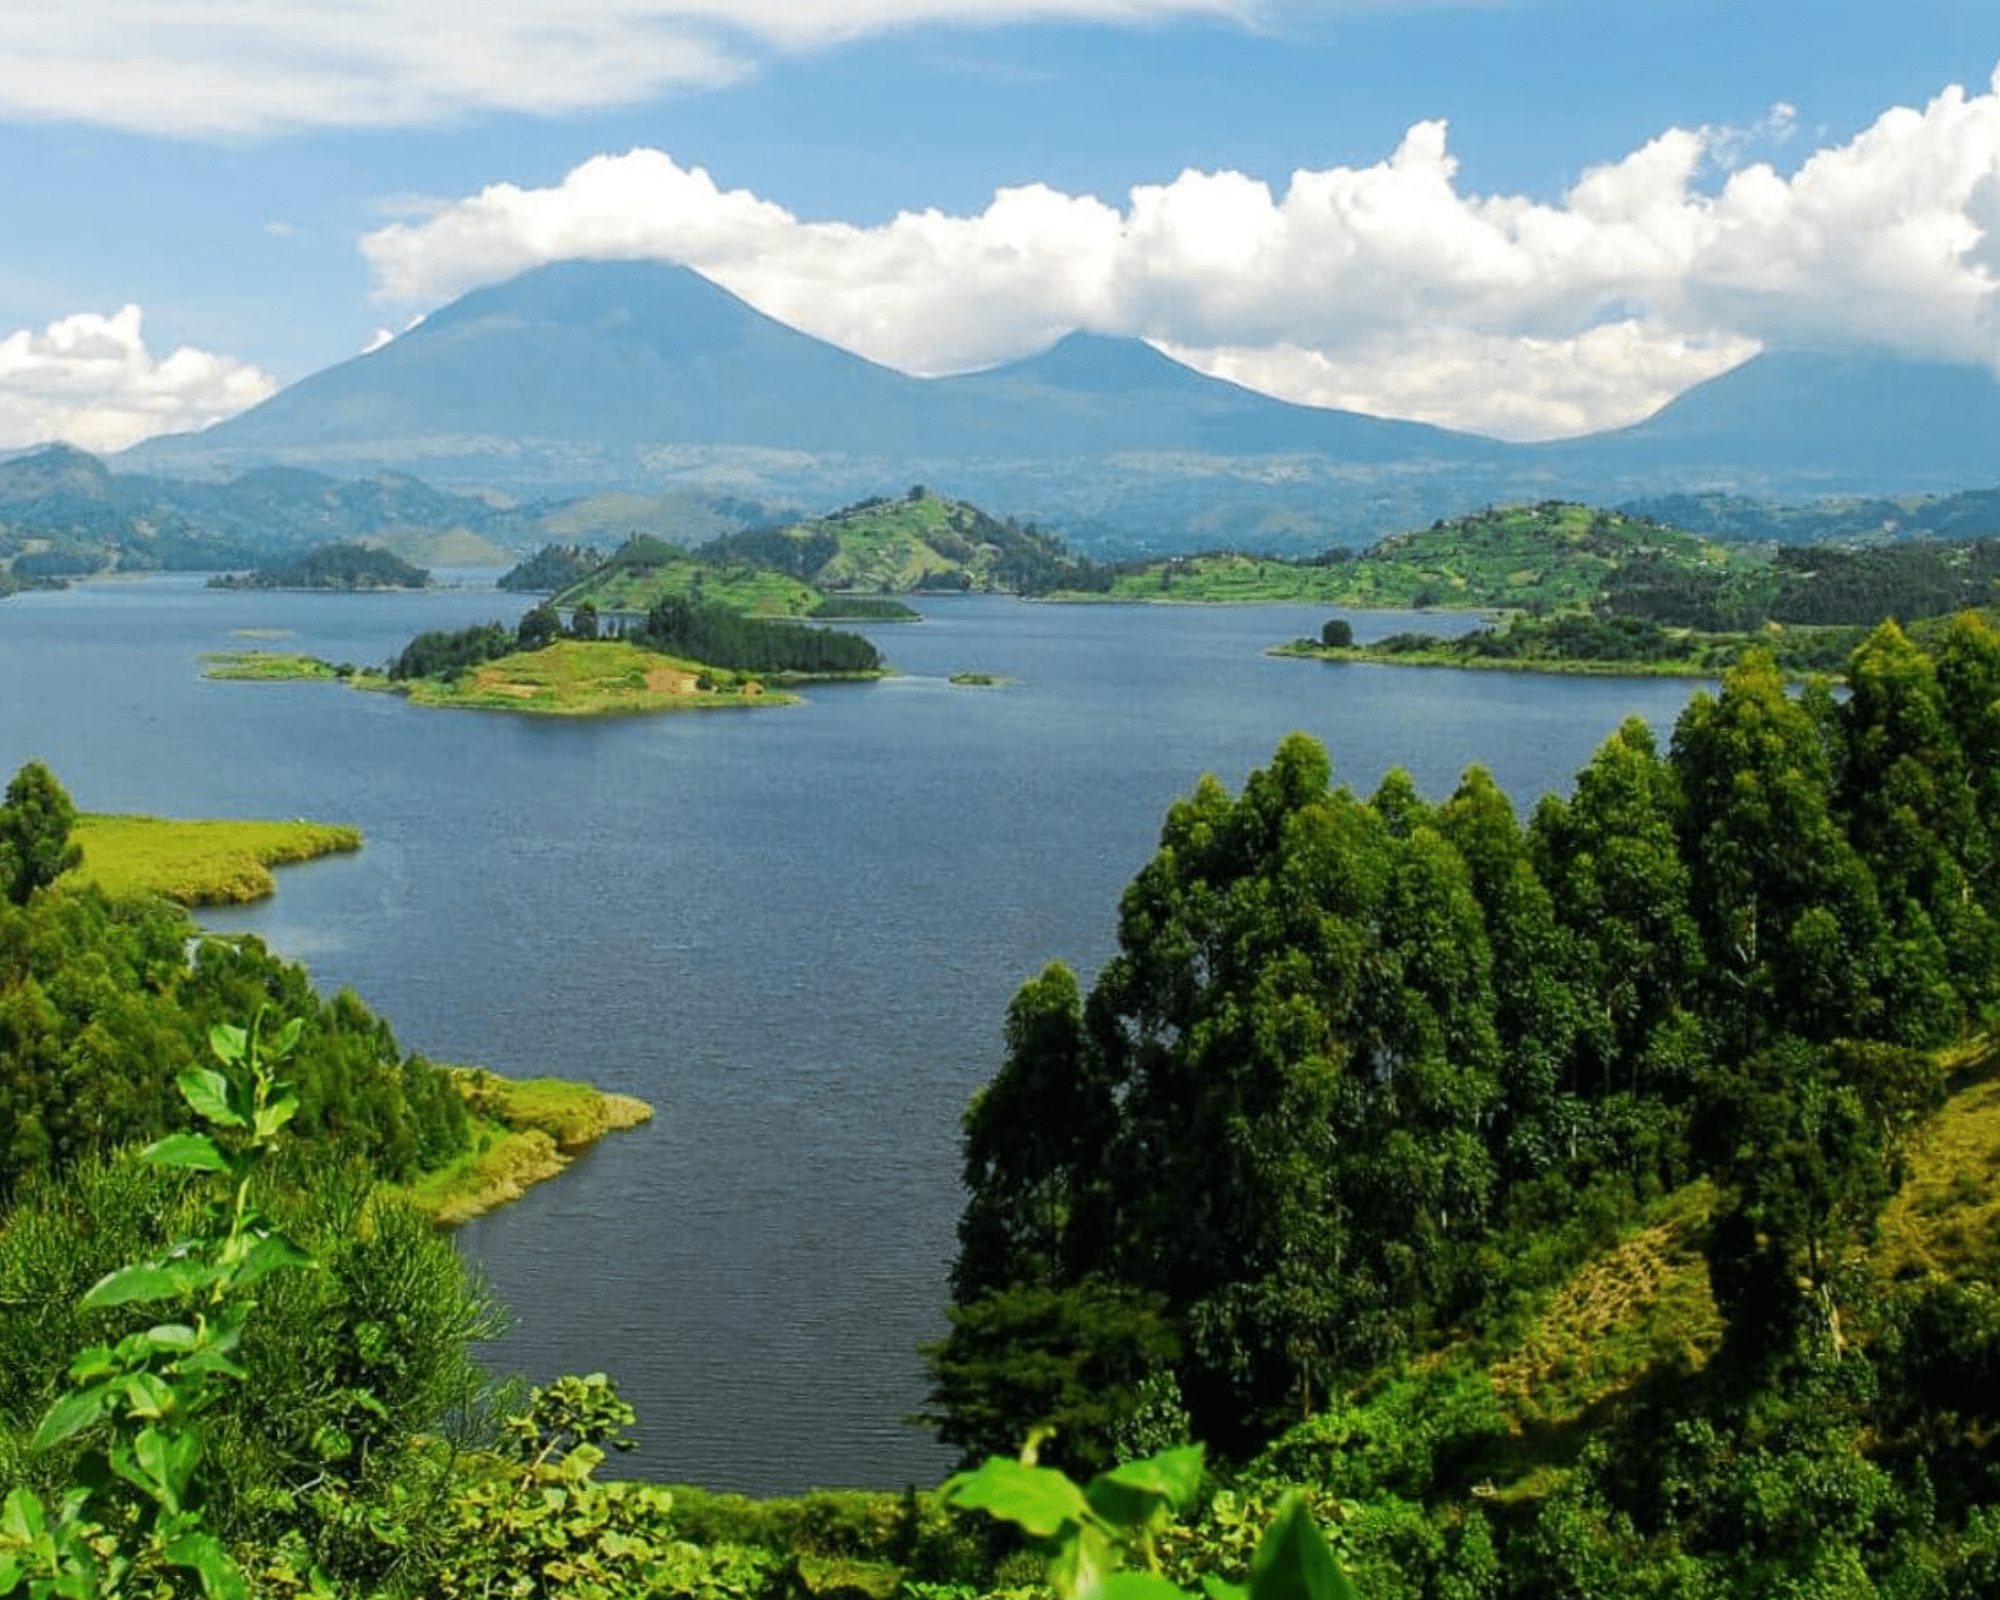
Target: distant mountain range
<point>623,378</point>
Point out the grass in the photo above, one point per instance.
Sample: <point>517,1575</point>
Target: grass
<point>525,1131</point>
<point>1945,1220</point>
<point>266,666</point>
<point>197,863</point>
<point>1642,1304</point>
<point>576,678</point>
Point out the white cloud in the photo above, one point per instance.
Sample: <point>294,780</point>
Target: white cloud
<point>1389,287</point>
<point>250,67</point>
<point>90,379</point>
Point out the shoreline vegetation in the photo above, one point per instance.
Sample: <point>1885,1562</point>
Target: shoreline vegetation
<point>527,1130</point>
<point>198,863</point>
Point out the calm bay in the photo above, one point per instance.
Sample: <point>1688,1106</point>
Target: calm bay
<point>794,931</point>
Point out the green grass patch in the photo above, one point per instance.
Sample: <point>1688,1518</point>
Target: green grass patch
<point>577,678</point>
<point>197,863</point>
<point>525,1131</point>
<point>266,666</point>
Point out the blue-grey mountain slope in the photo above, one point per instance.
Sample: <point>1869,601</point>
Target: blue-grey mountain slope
<point>585,377</point>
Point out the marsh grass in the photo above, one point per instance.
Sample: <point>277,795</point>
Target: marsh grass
<point>197,863</point>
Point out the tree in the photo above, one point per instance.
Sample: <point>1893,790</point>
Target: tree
<point>539,626</point>
<point>35,824</point>
<point>1788,912</point>
<point>583,621</point>
<point>1337,634</point>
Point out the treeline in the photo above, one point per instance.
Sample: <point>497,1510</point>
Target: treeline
<point>103,1004</point>
<point>552,568</point>
<point>1824,585</point>
<point>333,566</point>
<point>1365,1074</point>
<point>720,637</point>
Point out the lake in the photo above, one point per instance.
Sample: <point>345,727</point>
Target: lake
<point>793,931</point>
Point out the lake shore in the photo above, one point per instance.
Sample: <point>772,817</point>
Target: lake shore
<point>198,863</point>
<point>527,1132</point>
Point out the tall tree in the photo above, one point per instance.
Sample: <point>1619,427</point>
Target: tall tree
<point>1789,917</point>
<point>35,824</point>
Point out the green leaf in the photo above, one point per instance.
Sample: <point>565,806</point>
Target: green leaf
<point>1222,1589</point>
<point>1292,1560</point>
<point>22,1517</point>
<point>127,1284</point>
<point>195,1151</point>
<point>148,1394</point>
<point>228,1042</point>
<point>287,1040</point>
<point>1082,1562</point>
<point>1173,1475</point>
<point>70,1415</point>
<point>1140,1586</point>
<point>171,1336</point>
<point>271,1253</point>
<point>275,1115</point>
<point>203,1554</point>
<point>1039,1499</point>
<point>207,1091</point>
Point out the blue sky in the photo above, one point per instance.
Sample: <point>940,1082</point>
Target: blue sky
<point>1527,217</point>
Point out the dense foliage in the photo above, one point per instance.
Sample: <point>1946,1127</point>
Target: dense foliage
<point>553,567</point>
<point>332,566</point>
<point>1367,1076</point>
<point>103,1004</point>
<point>721,637</point>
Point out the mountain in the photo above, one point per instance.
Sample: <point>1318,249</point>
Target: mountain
<point>614,379</point>
<point>582,377</point>
<point>1808,422</point>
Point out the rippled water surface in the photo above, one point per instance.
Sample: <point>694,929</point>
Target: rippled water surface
<point>795,932</point>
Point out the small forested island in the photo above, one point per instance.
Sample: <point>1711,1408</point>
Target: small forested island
<point>333,566</point>
<point>678,657</point>
<point>551,568</point>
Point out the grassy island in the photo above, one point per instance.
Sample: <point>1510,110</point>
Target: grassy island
<point>268,666</point>
<point>525,1131</point>
<point>596,678</point>
<point>197,863</point>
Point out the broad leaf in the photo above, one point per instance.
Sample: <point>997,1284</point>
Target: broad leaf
<point>228,1042</point>
<point>1040,1499</point>
<point>70,1415</point>
<point>1140,1586</point>
<point>127,1284</point>
<point>195,1151</point>
<point>1082,1562</point>
<point>268,1255</point>
<point>1173,1475</point>
<point>1293,1562</point>
<point>207,1091</point>
<point>22,1517</point>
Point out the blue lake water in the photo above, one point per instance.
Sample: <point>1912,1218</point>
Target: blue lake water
<point>794,931</point>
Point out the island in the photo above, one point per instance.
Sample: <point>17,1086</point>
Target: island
<point>679,657</point>
<point>346,567</point>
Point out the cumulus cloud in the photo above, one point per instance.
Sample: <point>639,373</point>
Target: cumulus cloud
<point>92,380</point>
<point>1387,287</point>
<point>237,68</point>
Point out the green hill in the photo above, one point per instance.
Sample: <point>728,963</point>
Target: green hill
<point>644,570</point>
<point>922,541</point>
<point>1548,555</point>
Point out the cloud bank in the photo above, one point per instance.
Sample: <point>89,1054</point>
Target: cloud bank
<point>1386,288</point>
<point>90,379</point>
<point>249,68</point>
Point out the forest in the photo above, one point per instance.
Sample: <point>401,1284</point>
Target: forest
<point>1596,1203</point>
